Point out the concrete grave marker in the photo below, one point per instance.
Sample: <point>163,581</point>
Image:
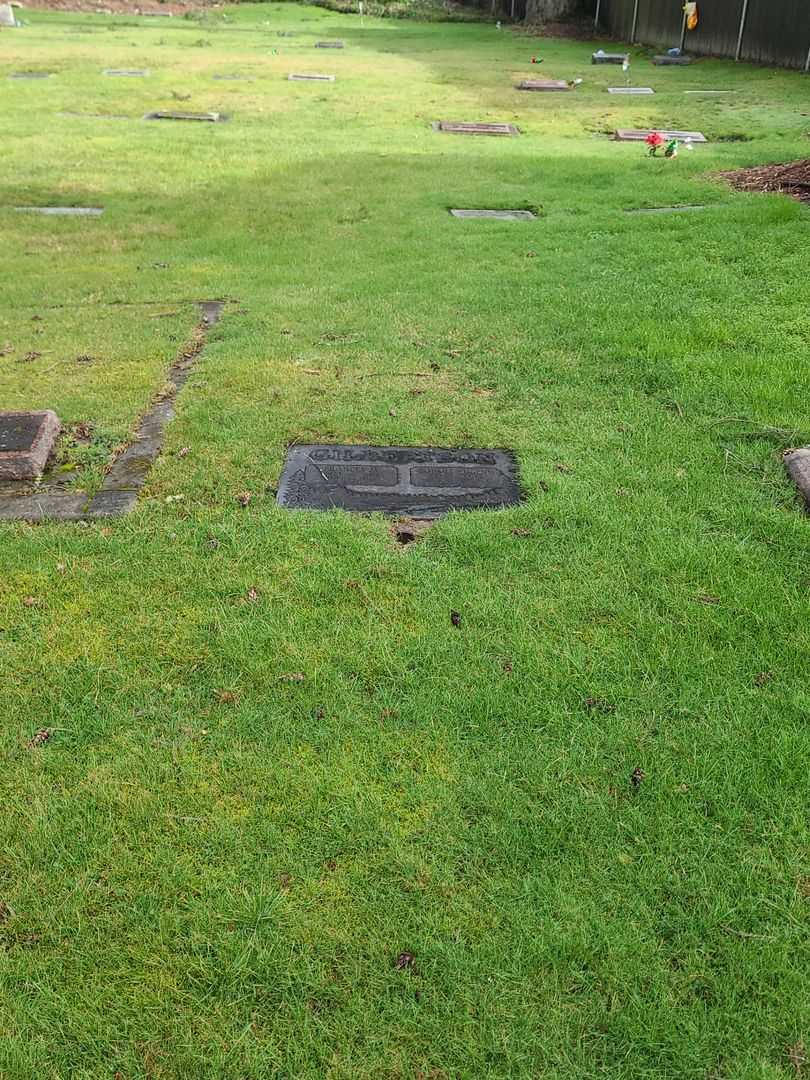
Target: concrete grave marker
<point>299,77</point>
<point>453,127</point>
<point>30,75</point>
<point>328,44</point>
<point>127,73</point>
<point>633,90</point>
<point>62,211</point>
<point>7,15</point>
<point>640,135</point>
<point>421,481</point>
<point>500,215</point>
<point>666,61</point>
<point>543,84</point>
<point>26,440</point>
<point>233,78</point>
<point>210,117</point>
<point>710,91</point>
<point>600,57</point>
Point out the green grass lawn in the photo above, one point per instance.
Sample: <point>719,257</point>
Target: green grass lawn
<point>210,871</point>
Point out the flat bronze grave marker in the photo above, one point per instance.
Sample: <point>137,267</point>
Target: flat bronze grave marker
<point>62,211</point>
<point>632,90</point>
<point>210,117</point>
<point>300,77</point>
<point>421,481</point>
<point>455,127</point>
<point>126,73</point>
<point>26,440</point>
<point>328,44</point>
<point>667,61</point>
<point>543,84</point>
<point>640,135</point>
<point>500,215</point>
<point>609,58</point>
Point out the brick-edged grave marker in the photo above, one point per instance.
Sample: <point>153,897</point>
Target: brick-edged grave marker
<point>26,441</point>
<point>500,215</point>
<point>641,134</point>
<point>544,84</point>
<point>301,77</point>
<point>422,481</point>
<point>609,58</point>
<point>209,117</point>
<point>631,90</point>
<point>454,127</point>
<point>671,61</point>
<point>126,472</point>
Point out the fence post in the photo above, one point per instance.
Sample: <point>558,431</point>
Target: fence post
<point>807,63</point>
<point>635,24</point>
<point>596,16</point>
<point>683,32</point>
<point>743,16</point>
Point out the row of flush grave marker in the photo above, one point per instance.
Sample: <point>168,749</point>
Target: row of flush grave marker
<point>457,212</point>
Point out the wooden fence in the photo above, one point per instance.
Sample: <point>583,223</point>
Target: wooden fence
<point>765,31</point>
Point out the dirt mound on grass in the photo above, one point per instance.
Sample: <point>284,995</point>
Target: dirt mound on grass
<point>791,179</point>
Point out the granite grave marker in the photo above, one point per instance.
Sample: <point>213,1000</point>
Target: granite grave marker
<point>454,127</point>
<point>26,440</point>
<point>424,482</point>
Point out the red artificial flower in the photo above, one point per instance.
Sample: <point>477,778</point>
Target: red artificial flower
<point>655,138</point>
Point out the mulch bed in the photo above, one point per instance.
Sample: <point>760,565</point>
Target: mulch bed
<point>791,179</point>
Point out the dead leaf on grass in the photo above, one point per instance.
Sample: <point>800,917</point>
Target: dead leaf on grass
<point>595,704</point>
<point>707,598</point>
<point>563,468</point>
<point>455,618</point>
<point>5,912</point>
<point>797,1056</point>
<point>292,676</point>
<point>252,595</point>
<point>243,498</point>
<point>763,678</point>
<point>32,356</point>
<point>39,738</point>
<point>521,532</point>
<point>30,601</point>
<point>637,776</point>
<point>405,962</point>
<point>226,697</point>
